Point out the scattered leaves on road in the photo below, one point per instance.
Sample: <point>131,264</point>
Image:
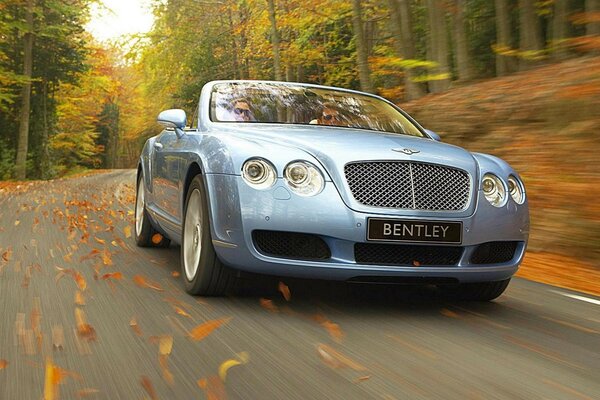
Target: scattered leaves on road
<point>84,330</point>
<point>157,238</point>
<point>136,328</point>
<point>285,291</point>
<point>203,330</point>
<point>332,328</point>
<point>268,305</point>
<point>149,388</point>
<point>141,281</point>
<point>242,358</point>
<point>335,359</point>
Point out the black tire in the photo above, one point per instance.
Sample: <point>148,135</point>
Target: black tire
<point>477,291</point>
<point>212,277</point>
<point>147,231</point>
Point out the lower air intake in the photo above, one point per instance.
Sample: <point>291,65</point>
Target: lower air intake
<point>291,245</point>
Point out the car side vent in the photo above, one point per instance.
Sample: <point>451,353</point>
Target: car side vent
<point>291,245</point>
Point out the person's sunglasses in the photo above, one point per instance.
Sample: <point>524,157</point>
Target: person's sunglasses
<point>240,111</point>
<point>329,117</point>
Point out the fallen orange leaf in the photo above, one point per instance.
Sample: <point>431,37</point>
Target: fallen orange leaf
<point>148,387</point>
<point>203,330</point>
<point>98,240</point>
<point>143,282</point>
<point>3,364</point>
<point>7,254</point>
<point>175,274</point>
<point>84,329</point>
<point>181,312</point>
<point>112,275</point>
<point>79,299</point>
<point>106,257</point>
<point>134,325</point>
<point>213,388</point>
<point>90,255</point>
<point>127,231</point>
<point>157,238</point>
<point>285,291</point>
<point>335,359</point>
<point>268,304</point>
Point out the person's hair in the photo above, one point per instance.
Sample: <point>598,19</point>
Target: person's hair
<point>240,100</point>
<point>327,104</point>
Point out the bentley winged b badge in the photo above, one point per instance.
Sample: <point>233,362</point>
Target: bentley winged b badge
<point>409,152</point>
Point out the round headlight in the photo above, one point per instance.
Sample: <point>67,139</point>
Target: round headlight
<point>259,173</point>
<point>304,178</point>
<point>516,190</point>
<point>494,190</point>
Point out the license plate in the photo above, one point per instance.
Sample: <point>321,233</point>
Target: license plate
<point>398,230</point>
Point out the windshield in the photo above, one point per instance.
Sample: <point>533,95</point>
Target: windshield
<point>259,102</point>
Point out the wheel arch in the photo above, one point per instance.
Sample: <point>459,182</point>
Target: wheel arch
<point>192,170</point>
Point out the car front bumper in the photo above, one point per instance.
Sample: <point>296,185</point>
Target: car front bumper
<point>237,210</point>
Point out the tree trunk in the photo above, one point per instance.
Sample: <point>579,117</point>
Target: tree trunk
<point>504,64</point>
<point>463,63</point>
<point>530,32</point>
<point>45,156</point>
<point>439,45</point>
<point>275,41</point>
<point>361,48</point>
<point>234,47</point>
<point>22,147</point>
<point>300,73</point>
<point>560,28</point>
<point>403,45</point>
<point>593,27</point>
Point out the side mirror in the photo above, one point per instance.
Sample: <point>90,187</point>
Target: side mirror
<point>175,119</point>
<point>433,135</point>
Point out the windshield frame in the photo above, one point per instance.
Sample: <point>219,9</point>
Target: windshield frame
<point>210,90</point>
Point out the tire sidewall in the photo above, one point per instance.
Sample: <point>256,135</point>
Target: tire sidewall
<point>207,253</point>
<point>145,237</point>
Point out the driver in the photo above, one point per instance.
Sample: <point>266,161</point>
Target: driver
<point>329,115</point>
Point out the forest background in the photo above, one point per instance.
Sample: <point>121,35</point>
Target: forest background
<point>519,79</point>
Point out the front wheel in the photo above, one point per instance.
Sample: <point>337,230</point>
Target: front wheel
<point>477,291</point>
<point>145,234</point>
<point>203,273</point>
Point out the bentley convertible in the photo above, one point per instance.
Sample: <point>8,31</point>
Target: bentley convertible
<point>309,181</point>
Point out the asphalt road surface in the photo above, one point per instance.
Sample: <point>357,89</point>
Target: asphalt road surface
<point>86,314</point>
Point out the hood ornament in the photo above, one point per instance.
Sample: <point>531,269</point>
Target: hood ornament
<point>408,152</point>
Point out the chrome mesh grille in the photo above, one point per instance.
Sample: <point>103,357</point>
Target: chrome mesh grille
<point>408,185</point>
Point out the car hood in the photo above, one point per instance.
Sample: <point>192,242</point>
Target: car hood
<point>335,147</point>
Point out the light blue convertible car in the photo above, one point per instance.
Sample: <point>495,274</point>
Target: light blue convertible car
<point>309,181</point>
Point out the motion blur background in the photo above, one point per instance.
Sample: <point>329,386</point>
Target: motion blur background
<point>519,79</point>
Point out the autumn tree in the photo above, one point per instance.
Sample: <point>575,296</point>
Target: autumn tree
<point>530,43</point>
<point>438,43</point>
<point>23,138</point>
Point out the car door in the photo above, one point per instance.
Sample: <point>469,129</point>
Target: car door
<point>165,177</point>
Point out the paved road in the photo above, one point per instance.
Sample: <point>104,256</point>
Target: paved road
<point>328,342</point>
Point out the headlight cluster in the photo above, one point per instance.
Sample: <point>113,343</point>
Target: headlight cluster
<point>516,190</point>
<point>302,177</point>
<point>494,190</point>
<point>259,173</point>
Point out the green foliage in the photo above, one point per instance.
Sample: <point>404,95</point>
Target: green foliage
<point>7,160</point>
